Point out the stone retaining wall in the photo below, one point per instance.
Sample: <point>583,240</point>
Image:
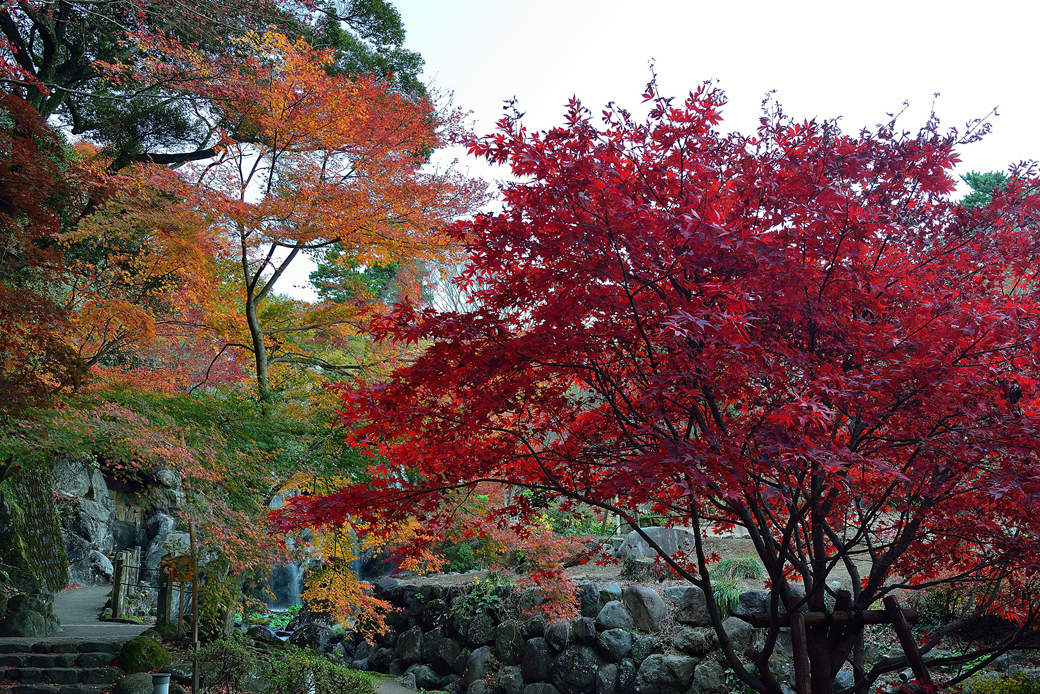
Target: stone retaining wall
<point>626,640</point>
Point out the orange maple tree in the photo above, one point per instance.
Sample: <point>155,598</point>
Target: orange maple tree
<point>139,276</point>
<point>308,161</point>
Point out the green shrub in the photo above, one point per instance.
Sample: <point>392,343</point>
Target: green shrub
<point>992,683</point>
<point>225,664</point>
<point>482,596</point>
<point>280,620</point>
<point>461,556</point>
<point>304,672</point>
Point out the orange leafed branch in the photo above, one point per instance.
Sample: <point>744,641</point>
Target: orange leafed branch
<point>310,160</point>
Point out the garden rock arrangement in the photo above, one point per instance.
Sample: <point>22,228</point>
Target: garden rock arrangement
<point>625,640</point>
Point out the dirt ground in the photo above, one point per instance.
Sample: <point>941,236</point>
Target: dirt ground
<point>602,573</point>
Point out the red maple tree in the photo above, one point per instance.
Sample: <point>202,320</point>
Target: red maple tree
<point>797,331</point>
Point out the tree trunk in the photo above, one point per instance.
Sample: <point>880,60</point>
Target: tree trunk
<point>256,334</point>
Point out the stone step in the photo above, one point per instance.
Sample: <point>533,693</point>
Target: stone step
<point>53,689</point>
<point>46,660</point>
<point>58,667</point>
<point>61,676</point>
<point>61,647</point>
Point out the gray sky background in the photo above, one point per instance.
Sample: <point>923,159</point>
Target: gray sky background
<point>857,60</point>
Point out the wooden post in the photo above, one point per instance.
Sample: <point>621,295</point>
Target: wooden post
<point>180,611</point>
<point>800,647</point>
<point>164,605</point>
<point>117,588</point>
<point>842,603</point>
<point>906,639</point>
<point>194,607</point>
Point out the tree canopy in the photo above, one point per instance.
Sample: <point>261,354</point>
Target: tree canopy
<point>796,331</point>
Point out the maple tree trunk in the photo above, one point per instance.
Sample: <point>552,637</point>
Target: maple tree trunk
<point>256,334</point>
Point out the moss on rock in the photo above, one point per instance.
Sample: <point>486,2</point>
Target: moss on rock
<point>143,654</point>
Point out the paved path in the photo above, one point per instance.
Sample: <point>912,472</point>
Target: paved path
<point>78,610</point>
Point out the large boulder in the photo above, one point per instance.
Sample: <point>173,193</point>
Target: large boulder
<point>261,632</point>
<point>692,608</point>
<point>607,679</point>
<point>615,644</point>
<point>477,666</point>
<point>317,637</point>
<point>124,535</point>
<point>136,683</point>
<point>643,646</point>
<point>646,606</point>
<point>533,626</point>
<point>585,631</point>
<point>90,514</point>
<point>709,678</point>
<point>92,569</point>
<point>627,670</point>
<point>559,634</point>
<point>160,526</point>
<point>32,602</point>
<point>91,520</point>
<point>693,641</point>
<point>143,654</point>
<point>752,601</point>
<point>27,624</point>
<point>442,653</point>
<point>71,477</point>
<point>609,592</point>
<point>510,681</point>
<point>409,645</point>
<point>426,678</point>
<point>665,674</point>
<point>614,615</point>
<point>22,581</point>
<point>740,633</point>
<point>508,642</point>
<point>541,688</point>
<point>536,660</point>
<point>671,540</point>
<point>575,670</point>
<point>481,630</point>
<point>589,597</point>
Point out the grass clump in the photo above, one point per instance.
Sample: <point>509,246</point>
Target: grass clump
<point>732,569</point>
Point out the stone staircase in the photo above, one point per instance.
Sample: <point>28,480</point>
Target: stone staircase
<point>58,666</point>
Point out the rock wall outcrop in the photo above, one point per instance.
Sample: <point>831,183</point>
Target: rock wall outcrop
<point>100,517</point>
<point>626,640</point>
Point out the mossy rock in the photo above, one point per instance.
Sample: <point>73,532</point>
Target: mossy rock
<point>21,581</point>
<point>27,624</point>
<point>143,654</point>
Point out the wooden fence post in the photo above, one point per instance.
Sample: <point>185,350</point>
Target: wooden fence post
<point>800,648</point>
<point>117,588</point>
<point>906,639</point>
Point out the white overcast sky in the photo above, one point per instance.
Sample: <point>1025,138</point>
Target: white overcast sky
<point>856,60</point>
